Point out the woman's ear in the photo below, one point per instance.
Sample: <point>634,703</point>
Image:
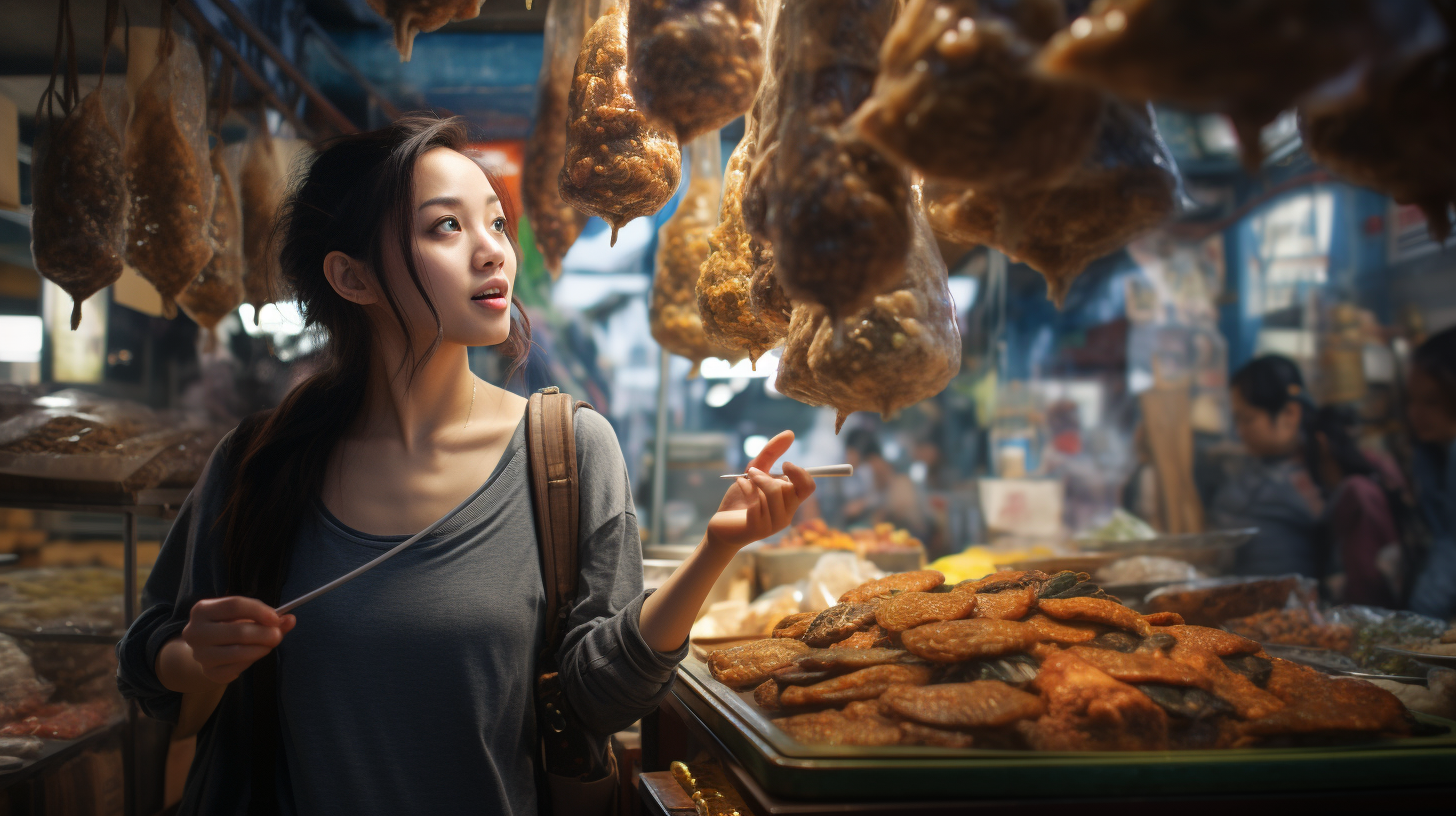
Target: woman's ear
<point>350,279</point>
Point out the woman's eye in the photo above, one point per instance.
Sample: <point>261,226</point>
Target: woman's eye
<point>448,225</point>
<point>499,224</point>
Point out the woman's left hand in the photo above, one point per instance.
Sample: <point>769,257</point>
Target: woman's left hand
<point>759,505</point>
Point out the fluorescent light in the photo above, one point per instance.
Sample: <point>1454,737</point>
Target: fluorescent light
<point>714,368</point>
<point>719,395</point>
<point>754,445</point>
<point>277,319</point>
<point>20,338</point>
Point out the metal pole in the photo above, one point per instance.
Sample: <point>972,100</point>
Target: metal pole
<point>659,451</point>
<point>205,29</point>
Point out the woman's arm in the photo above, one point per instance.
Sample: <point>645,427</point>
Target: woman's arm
<point>754,508</point>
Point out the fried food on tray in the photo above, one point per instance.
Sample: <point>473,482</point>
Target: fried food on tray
<point>910,609</point>
<point>1250,701</point>
<point>860,723</point>
<point>794,626</point>
<point>1164,619</point>
<point>1061,631</point>
<point>979,704</point>
<point>913,733</point>
<point>866,639</point>
<point>917,581</point>
<point>954,641</point>
<point>1088,710</point>
<point>1095,610</point>
<point>1141,667</point>
<point>1221,643</point>
<point>1295,627</point>
<point>839,622</point>
<point>767,695</point>
<point>845,659</point>
<point>748,665</point>
<point>864,684</point>
<point>1316,703</point>
<point>1009,604</point>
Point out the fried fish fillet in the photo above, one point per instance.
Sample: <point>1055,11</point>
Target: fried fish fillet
<point>954,641</point>
<point>1096,610</point>
<point>860,723</point>
<point>1009,604</point>
<point>1143,667</point>
<point>848,659</point>
<point>1088,710</point>
<point>873,637</point>
<point>910,609</point>
<point>794,626</point>
<point>917,581</point>
<point>1316,703</point>
<point>1061,632</point>
<point>839,622</point>
<point>978,704</point>
<point>748,665</point>
<point>913,733</point>
<point>1248,700</point>
<point>767,695</point>
<point>1221,643</point>
<point>1164,619</point>
<point>864,684</point>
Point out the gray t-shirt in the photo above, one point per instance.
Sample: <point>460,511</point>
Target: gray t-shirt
<point>409,689</point>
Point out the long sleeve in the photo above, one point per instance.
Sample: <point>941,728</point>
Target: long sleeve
<point>611,676</point>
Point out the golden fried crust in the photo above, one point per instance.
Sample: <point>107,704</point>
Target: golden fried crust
<point>1221,643</point>
<point>918,581</point>
<point>839,622</point>
<point>954,641</point>
<point>978,704</point>
<point>1009,576</point>
<point>1249,701</point>
<point>871,638</point>
<point>1142,667</point>
<point>1088,710</point>
<point>767,695</point>
<point>1096,610</point>
<point>840,659</point>
<point>748,665</point>
<point>1060,632</point>
<point>910,609</point>
<point>1316,703</point>
<point>913,733</point>
<point>1164,619</point>
<point>1010,604</point>
<point>860,723</point>
<point>865,684</point>
<point>794,626</point>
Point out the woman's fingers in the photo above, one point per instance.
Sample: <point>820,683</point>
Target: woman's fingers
<point>233,608</point>
<point>242,633</point>
<point>772,491</point>
<point>216,656</point>
<point>803,483</point>
<point>771,452</point>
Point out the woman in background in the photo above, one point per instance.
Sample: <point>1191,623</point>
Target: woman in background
<point>1431,409</point>
<point>1359,516</point>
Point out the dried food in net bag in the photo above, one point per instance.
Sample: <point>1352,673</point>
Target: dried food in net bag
<point>218,288</point>
<point>956,98</point>
<point>621,163</point>
<point>262,184</point>
<point>837,210</point>
<point>410,17</point>
<point>1127,185</point>
<point>555,224</point>
<point>765,112</point>
<point>694,63</point>
<point>682,246</point>
<point>170,172</point>
<point>1249,59</point>
<point>725,278</point>
<point>902,349</point>
<point>79,198</point>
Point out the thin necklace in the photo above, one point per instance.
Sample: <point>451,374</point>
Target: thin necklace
<point>471,410</point>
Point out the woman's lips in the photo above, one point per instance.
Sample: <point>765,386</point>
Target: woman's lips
<point>494,303</point>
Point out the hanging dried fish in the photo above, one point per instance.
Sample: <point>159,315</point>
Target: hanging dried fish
<point>80,203</point>
<point>620,162</point>
<point>218,288</point>
<point>694,63</point>
<point>555,224</point>
<point>170,172</point>
<point>410,17</point>
<point>263,183</point>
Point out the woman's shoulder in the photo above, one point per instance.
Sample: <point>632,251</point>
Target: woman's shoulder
<point>595,435</point>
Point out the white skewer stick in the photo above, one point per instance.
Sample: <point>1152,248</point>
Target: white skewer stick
<point>823,470</point>
<point>393,551</point>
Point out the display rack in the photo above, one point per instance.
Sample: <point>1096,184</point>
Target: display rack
<point>78,497</point>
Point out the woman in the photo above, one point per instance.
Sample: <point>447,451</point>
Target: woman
<point>408,690</point>
<point>1359,514</point>
<point>1431,409</point>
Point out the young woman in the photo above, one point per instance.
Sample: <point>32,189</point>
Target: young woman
<point>408,690</point>
<point>1431,409</point>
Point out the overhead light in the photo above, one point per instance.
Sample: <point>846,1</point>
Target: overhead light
<point>719,395</point>
<point>273,319</point>
<point>754,445</point>
<point>715,368</point>
<point>20,338</point>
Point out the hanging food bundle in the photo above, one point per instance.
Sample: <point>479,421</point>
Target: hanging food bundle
<point>410,17</point>
<point>694,63</point>
<point>621,163</point>
<point>263,183</point>
<point>171,174</point>
<point>956,97</point>
<point>79,200</point>
<point>766,111</point>
<point>903,348</point>
<point>682,247</point>
<point>836,209</point>
<point>1249,59</point>
<point>1127,185</point>
<point>555,224</point>
<point>218,288</point>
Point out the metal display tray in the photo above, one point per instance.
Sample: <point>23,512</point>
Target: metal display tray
<point>789,769</point>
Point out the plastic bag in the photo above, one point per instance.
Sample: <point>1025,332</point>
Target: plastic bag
<point>956,98</point>
<point>80,201</point>
<point>765,114</point>
<point>682,246</point>
<point>170,171</point>
<point>82,437</point>
<point>21,691</point>
<point>620,163</point>
<point>1126,185</point>
<point>1213,601</point>
<point>555,224</point>
<point>218,288</point>
<point>902,349</point>
<point>262,185</point>
<point>410,17</point>
<point>833,575</point>
<point>694,63</point>
<point>836,209</point>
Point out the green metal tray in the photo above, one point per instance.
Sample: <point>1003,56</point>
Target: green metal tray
<point>789,769</point>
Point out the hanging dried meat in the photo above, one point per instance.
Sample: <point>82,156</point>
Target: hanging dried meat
<point>554,223</point>
<point>836,210</point>
<point>902,349</point>
<point>1249,59</point>
<point>410,17</point>
<point>765,113</point>
<point>1127,184</point>
<point>694,63</point>
<point>1395,130</point>
<point>262,185</point>
<point>682,246</point>
<point>170,171</point>
<point>218,288</point>
<point>621,163</point>
<point>80,203</point>
<point>956,98</point>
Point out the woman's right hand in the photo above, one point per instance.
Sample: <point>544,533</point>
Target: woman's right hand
<point>227,635</point>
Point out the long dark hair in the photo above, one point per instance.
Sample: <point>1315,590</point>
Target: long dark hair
<point>1270,383</point>
<point>1436,358</point>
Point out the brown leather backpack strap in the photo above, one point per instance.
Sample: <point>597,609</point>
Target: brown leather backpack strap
<point>551,446</point>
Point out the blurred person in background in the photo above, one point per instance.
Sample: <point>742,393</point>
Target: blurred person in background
<point>1431,409</point>
<point>892,497</point>
<point>1361,497</point>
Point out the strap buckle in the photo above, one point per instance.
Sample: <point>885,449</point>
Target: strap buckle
<point>550,389</point>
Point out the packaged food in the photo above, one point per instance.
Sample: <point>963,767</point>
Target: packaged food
<point>21,691</point>
<point>1212,601</point>
<point>171,175</point>
<point>554,223</point>
<point>218,288</point>
<point>621,162</point>
<point>1295,627</point>
<point>262,185</point>
<point>95,440</point>
<point>410,17</point>
<point>694,63</point>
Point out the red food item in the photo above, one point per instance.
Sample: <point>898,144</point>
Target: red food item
<point>63,721</point>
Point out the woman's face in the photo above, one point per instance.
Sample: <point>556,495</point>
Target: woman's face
<point>1263,435</point>
<point>1431,415</point>
<point>462,253</point>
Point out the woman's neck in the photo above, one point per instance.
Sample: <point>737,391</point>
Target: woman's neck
<point>417,406</point>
